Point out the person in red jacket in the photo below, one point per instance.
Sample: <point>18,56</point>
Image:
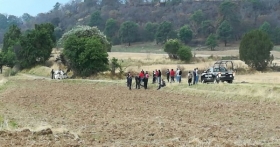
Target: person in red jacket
<point>172,75</point>
<point>141,76</point>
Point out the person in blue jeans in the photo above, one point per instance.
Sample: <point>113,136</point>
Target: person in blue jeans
<point>197,76</point>
<point>194,76</point>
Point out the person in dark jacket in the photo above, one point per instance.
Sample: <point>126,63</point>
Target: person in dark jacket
<point>146,78</point>
<point>154,77</point>
<point>162,84</point>
<point>129,81</point>
<point>128,74</point>
<point>167,75</point>
<point>52,73</point>
<point>159,76</point>
<point>137,82</point>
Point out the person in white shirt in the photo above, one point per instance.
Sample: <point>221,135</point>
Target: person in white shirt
<point>177,74</point>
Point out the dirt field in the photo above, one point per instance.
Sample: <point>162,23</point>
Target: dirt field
<point>38,112</point>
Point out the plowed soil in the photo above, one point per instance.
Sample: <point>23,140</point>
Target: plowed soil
<point>56,113</point>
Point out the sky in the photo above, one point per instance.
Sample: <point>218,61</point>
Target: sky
<point>32,7</point>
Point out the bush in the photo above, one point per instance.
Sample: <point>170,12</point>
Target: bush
<point>185,53</point>
<point>9,72</point>
<point>255,49</point>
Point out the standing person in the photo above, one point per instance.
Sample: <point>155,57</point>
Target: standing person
<point>137,82</point>
<point>172,74</point>
<point>129,81</point>
<point>146,80</point>
<point>141,76</point>
<point>194,76</point>
<point>167,75</point>
<point>197,76</point>
<point>190,78</point>
<point>180,76</point>
<point>52,73</point>
<point>154,77</point>
<point>159,76</point>
<point>127,76</point>
<point>177,75</point>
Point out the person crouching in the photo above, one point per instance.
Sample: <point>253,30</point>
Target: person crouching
<point>161,84</point>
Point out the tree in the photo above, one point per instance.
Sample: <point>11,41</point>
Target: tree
<point>86,55</point>
<point>9,58</point>
<point>207,27</point>
<point>171,47</point>
<point>185,34</point>
<point>11,38</point>
<point>257,6</point>
<point>36,45</point>
<point>197,17</point>
<point>163,32</point>
<point>151,29</point>
<point>111,28</point>
<point>85,31</point>
<point>255,49</point>
<point>114,65</point>
<point>185,53</point>
<point>228,11</point>
<point>128,32</point>
<point>224,32</point>
<point>211,41</point>
<point>96,20</point>
<point>266,27</point>
<point>276,36</point>
<point>3,21</point>
<point>58,32</point>
<point>56,6</point>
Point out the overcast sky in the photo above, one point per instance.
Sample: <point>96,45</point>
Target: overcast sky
<point>32,7</point>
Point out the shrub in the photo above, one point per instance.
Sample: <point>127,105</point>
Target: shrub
<point>185,53</point>
<point>255,49</point>
<point>9,72</point>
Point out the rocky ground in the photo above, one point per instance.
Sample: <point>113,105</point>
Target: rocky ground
<point>38,112</point>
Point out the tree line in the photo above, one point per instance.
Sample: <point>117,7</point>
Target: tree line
<point>202,17</point>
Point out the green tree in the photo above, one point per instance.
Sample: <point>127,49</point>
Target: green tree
<point>96,20</point>
<point>151,29</point>
<point>58,32</point>
<point>114,65</point>
<point>197,17</point>
<point>257,6</point>
<point>11,38</point>
<point>171,47</point>
<point>207,27</point>
<point>185,34</point>
<point>128,32</point>
<point>185,53</point>
<point>224,32</point>
<point>3,21</point>
<point>111,28</point>
<point>255,49</point>
<point>211,41</point>
<point>86,55</point>
<point>163,32</point>
<point>228,10</point>
<point>85,31</point>
<point>36,45</point>
<point>9,58</point>
<point>276,36</point>
<point>266,27</point>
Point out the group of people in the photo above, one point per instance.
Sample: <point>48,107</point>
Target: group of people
<point>193,77</point>
<point>142,78</point>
